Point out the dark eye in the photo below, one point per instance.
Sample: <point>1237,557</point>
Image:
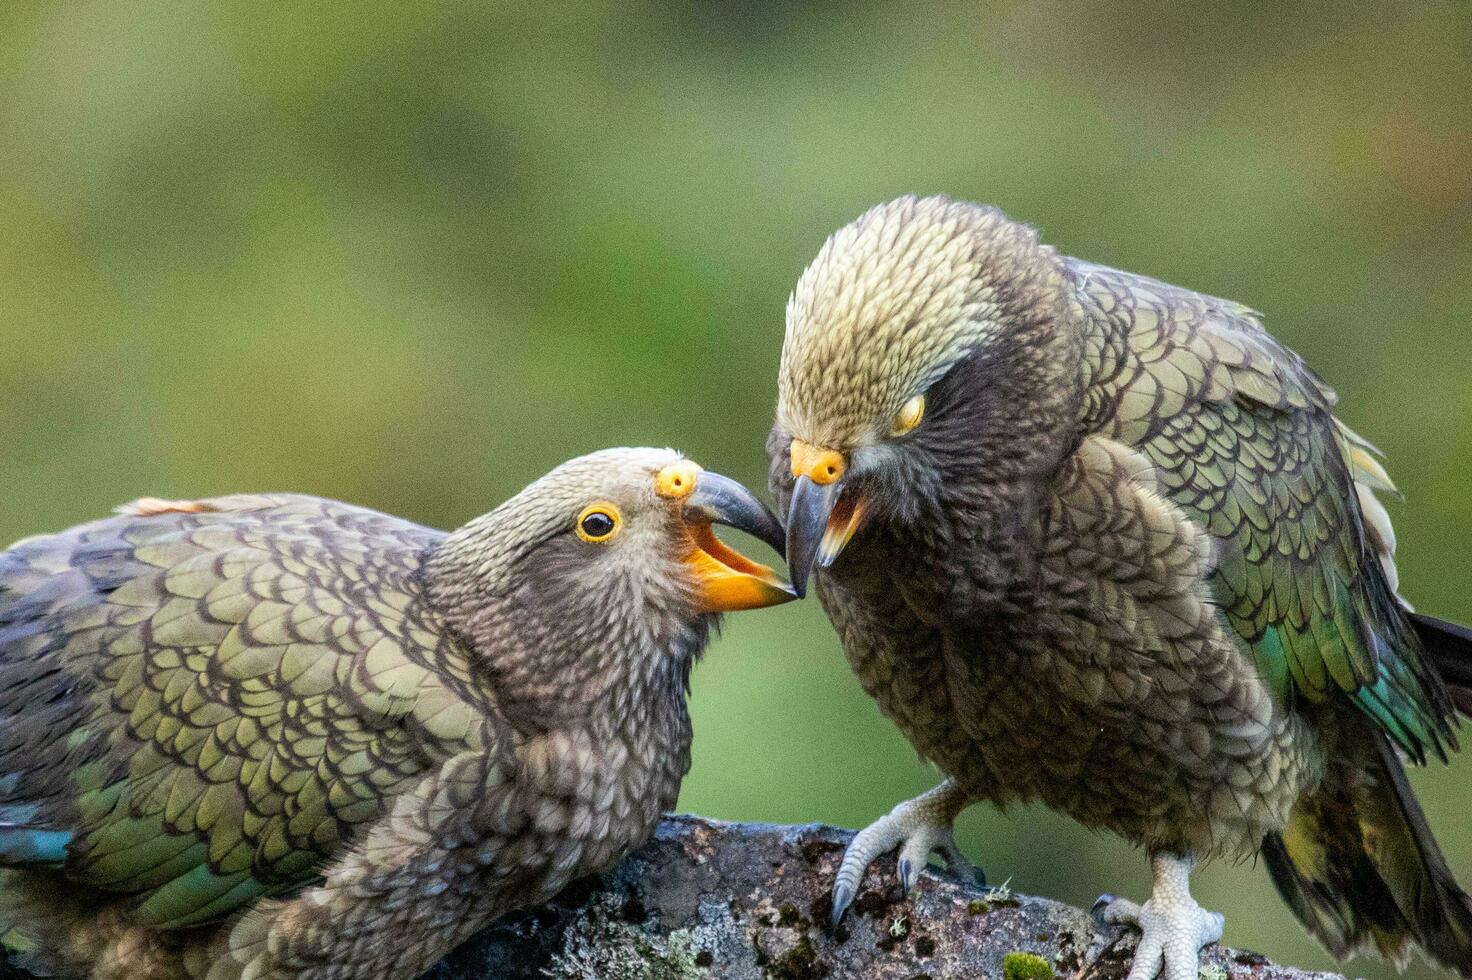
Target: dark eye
<point>598,525</point>
<point>598,522</point>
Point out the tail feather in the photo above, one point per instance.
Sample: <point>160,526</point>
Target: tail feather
<point>1358,866</point>
<point>1449,648</point>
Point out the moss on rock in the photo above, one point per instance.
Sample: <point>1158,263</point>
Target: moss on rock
<point>1026,966</point>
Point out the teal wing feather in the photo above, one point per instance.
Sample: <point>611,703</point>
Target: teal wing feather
<point>1244,439</point>
<point>200,702</point>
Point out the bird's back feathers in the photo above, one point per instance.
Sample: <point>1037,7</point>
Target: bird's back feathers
<point>1242,438</point>
<point>198,704</point>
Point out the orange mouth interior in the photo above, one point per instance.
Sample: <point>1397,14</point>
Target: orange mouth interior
<point>727,580</point>
<point>705,539</point>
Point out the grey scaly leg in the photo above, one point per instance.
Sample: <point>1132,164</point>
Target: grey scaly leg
<point>918,826</point>
<point>1173,928</point>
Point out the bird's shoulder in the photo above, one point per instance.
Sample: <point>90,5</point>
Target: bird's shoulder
<point>199,700</point>
<point>1154,349</point>
<point>1123,554</point>
<point>1108,514</point>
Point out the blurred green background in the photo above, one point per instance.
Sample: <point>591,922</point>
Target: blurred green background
<point>412,255</point>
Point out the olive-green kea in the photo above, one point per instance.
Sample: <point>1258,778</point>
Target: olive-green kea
<point>283,737</point>
<point>1098,541</point>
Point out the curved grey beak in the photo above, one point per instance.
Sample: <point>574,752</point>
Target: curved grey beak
<point>822,517</point>
<point>807,525</point>
<point>726,580</point>
<point>724,501</point>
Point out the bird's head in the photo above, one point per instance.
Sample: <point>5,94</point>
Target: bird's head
<point>607,559</point>
<point>928,347</point>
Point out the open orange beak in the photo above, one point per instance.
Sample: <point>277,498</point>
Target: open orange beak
<point>725,579</point>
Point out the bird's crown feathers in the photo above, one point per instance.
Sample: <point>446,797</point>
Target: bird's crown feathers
<point>892,301</point>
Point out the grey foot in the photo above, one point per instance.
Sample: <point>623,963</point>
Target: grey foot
<point>1173,928</point>
<point>919,827</point>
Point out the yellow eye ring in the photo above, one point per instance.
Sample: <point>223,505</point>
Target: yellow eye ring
<point>909,416</point>
<point>599,522</point>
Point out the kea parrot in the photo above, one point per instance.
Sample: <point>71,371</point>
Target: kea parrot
<point>1098,541</point>
<point>275,736</point>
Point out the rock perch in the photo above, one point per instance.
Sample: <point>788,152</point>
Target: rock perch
<point>735,901</point>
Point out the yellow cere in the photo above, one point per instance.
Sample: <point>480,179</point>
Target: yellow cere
<point>822,466</point>
<point>677,480</point>
<point>909,416</point>
<point>599,522</point>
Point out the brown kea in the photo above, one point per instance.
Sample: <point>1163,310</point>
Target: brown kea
<point>283,737</point>
<point>1098,541</point>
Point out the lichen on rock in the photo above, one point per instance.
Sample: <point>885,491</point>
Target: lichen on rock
<point>602,944</point>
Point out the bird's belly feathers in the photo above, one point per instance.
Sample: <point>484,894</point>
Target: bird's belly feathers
<point>1142,750</point>
<point>1026,708</point>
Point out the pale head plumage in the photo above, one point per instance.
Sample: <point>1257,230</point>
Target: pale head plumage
<point>564,618</point>
<point>547,507</point>
<point>931,360</point>
<point>892,301</point>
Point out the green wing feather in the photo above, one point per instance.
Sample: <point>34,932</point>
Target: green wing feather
<point>197,706</point>
<point>1244,440</point>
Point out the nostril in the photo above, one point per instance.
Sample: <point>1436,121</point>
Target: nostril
<point>677,480</point>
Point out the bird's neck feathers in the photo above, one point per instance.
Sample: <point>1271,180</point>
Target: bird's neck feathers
<point>989,542</point>
<point>611,677</point>
<point>554,651</point>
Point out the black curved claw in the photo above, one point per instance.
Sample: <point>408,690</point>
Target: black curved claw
<point>906,881</point>
<point>1096,911</point>
<point>843,897</point>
